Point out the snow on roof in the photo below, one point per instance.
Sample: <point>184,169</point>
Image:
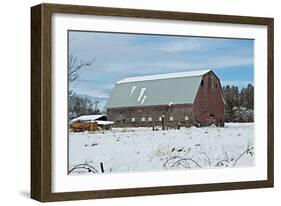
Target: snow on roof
<point>87,118</point>
<point>100,122</point>
<point>164,76</point>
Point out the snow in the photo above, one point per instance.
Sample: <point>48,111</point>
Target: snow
<point>143,99</point>
<point>132,90</point>
<point>141,149</point>
<point>100,122</point>
<point>87,118</point>
<point>141,93</point>
<point>164,76</point>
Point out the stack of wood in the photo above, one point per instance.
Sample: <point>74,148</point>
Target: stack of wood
<point>84,126</point>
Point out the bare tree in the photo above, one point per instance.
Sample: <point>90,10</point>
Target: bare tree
<point>77,105</point>
<point>76,67</point>
<point>96,105</point>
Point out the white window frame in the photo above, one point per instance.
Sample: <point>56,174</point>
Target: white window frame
<point>171,118</point>
<point>133,119</point>
<point>143,119</point>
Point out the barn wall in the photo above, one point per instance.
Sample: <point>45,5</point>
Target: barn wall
<point>122,116</point>
<point>209,101</point>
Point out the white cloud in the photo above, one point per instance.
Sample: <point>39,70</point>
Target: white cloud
<point>88,87</point>
<point>166,66</point>
<point>120,56</point>
<point>180,46</point>
<point>92,92</point>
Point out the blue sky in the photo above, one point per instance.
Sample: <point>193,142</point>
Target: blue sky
<point>125,55</point>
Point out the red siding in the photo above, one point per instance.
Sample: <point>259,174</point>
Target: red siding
<point>122,116</point>
<point>209,102</point>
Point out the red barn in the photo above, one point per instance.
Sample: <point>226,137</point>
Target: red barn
<point>175,99</point>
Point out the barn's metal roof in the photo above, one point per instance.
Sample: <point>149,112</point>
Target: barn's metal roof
<point>163,89</point>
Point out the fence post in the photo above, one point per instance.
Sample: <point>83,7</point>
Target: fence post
<point>101,167</point>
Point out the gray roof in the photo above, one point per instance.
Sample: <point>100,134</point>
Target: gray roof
<point>163,89</point>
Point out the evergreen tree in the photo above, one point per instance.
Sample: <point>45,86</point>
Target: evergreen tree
<point>239,105</point>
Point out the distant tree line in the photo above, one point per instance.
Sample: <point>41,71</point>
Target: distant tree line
<point>78,106</point>
<point>239,104</point>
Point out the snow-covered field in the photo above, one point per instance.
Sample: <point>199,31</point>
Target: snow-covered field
<point>141,149</point>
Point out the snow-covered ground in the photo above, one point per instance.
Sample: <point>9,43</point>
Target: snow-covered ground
<point>141,149</point>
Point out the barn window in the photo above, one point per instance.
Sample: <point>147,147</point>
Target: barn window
<point>133,119</point>
<point>186,118</point>
<point>143,119</point>
<point>171,118</point>
<point>160,118</point>
<point>124,120</point>
<point>202,83</point>
<point>149,119</point>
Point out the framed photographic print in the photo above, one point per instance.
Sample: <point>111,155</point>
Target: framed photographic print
<point>130,102</point>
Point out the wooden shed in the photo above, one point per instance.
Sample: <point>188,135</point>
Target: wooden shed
<point>185,98</point>
<point>90,123</point>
